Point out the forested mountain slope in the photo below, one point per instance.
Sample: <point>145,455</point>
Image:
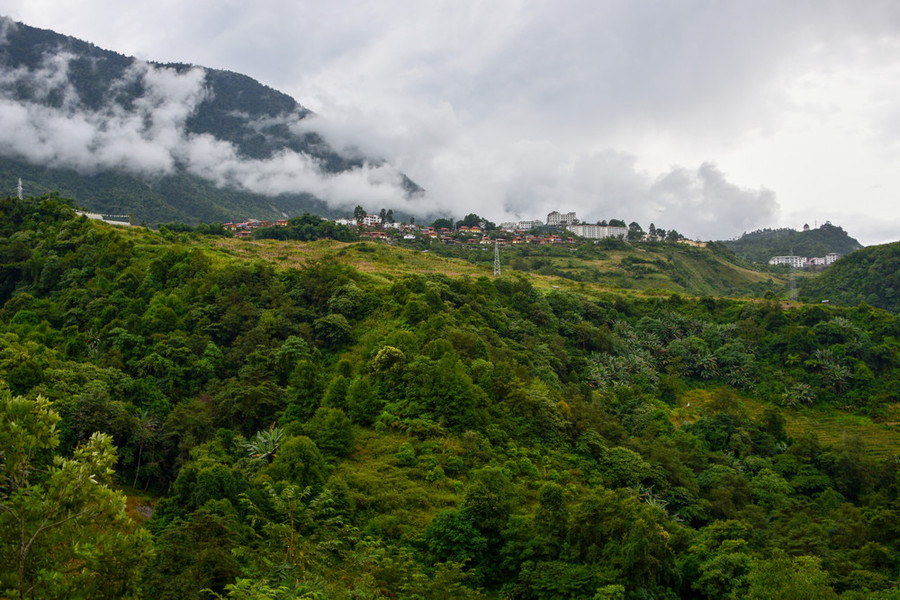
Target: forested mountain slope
<point>177,197</point>
<point>760,246</point>
<point>162,142</point>
<point>871,275</point>
<point>327,428</point>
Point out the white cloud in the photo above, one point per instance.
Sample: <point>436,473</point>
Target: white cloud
<point>141,140</point>
<point>150,138</point>
<point>510,106</point>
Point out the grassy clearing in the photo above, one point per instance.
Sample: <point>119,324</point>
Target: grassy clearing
<point>833,427</point>
<point>380,485</point>
<point>673,269</point>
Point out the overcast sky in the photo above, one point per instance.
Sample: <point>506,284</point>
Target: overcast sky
<point>709,116</point>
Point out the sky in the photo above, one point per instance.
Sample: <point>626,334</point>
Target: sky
<point>713,117</point>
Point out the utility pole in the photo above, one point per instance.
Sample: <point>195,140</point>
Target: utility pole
<point>793,285</point>
<point>496,258</point>
<point>793,280</point>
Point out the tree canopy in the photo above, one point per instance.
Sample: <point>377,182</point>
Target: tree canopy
<point>185,416</point>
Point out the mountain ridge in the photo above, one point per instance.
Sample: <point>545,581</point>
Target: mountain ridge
<point>220,143</point>
<point>761,245</point>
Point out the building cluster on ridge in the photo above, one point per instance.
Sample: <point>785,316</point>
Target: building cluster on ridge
<point>552,231</point>
<point>245,228</point>
<point>802,262</point>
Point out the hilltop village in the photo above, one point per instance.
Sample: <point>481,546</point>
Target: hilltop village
<point>559,228</point>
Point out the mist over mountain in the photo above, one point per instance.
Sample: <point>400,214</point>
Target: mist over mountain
<point>169,141</point>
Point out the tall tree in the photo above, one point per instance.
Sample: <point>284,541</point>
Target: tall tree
<point>65,529</point>
<point>635,231</point>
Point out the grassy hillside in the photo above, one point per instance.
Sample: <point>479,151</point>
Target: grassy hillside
<point>665,267</point>
<point>656,268</point>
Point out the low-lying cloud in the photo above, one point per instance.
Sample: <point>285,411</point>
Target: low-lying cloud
<point>698,202</point>
<point>519,107</point>
<point>472,169</point>
<point>464,170</point>
<point>150,139</point>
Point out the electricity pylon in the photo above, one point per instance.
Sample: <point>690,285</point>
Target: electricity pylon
<point>496,258</point>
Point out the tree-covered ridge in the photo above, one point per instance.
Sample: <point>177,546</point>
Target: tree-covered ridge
<point>760,246</point>
<point>320,432</point>
<point>307,228</point>
<point>871,275</point>
<point>179,197</point>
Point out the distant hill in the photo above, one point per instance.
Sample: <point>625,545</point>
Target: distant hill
<point>870,275</point>
<point>167,142</point>
<point>759,246</point>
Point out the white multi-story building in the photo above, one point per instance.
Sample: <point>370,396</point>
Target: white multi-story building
<point>598,232</point>
<point>799,262</point>
<point>795,261</point>
<point>557,218</point>
<point>371,220</point>
<point>529,225</point>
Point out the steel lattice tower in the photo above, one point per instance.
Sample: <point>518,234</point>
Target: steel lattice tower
<point>496,259</point>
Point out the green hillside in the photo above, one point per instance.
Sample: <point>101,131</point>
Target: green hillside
<point>760,246</point>
<point>871,275</point>
<point>179,197</point>
<point>186,416</point>
<point>660,268</point>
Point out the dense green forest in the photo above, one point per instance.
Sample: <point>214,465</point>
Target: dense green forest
<point>180,421</point>
<point>871,275</point>
<point>760,246</point>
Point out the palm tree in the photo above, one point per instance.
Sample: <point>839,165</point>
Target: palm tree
<point>146,430</point>
<point>265,444</point>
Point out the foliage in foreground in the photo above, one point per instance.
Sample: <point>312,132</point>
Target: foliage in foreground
<point>320,433</point>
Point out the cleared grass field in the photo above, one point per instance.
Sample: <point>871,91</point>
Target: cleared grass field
<point>833,427</point>
<point>674,269</point>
